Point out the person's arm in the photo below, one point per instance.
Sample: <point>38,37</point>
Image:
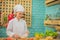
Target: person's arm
<point>10,29</point>
<point>26,30</point>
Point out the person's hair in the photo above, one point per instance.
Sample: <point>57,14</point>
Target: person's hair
<point>15,15</point>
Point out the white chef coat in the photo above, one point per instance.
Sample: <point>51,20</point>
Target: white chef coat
<point>17,27</point>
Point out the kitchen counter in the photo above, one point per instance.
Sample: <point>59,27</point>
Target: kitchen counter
<point>23,39</point>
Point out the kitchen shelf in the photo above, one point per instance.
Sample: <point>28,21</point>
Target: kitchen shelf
<point>52,2</point>
<point>52,23</point>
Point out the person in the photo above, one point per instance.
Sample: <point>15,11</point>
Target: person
<point>11,16</point>
<point>17,27</point>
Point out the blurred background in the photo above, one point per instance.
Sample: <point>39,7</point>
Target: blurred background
<point>40,15</point>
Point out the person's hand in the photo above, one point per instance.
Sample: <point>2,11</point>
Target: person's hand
<point>16,36</point>
<point>25,35</point>
<point>27,32</point>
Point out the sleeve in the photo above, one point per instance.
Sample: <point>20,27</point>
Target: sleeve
<point>9,30</point>
<point>26,29</point>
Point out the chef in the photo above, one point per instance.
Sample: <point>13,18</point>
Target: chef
<point>17,26</point>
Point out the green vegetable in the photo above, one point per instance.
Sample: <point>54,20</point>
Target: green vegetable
<point>51,33</point>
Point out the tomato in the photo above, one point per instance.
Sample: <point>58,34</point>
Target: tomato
<point>9,38</point>
<point>31,39</point>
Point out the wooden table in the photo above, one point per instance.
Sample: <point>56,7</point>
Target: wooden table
<point>23,39</point>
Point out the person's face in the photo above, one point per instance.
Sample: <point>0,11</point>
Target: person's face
<point>19,15</point>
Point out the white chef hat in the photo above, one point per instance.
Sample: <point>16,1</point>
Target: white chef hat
<point>18,8</point>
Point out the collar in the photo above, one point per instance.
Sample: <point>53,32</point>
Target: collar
<point>17,19</point>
